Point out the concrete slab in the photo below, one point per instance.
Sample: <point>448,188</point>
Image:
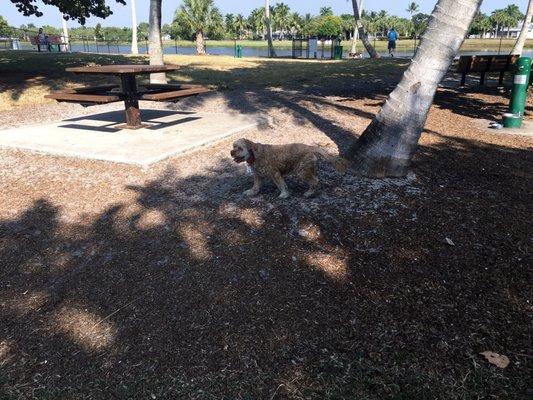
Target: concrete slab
<point>97,137</point>
<point>525,130</point>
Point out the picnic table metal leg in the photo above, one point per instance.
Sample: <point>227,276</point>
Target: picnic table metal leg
<point>133,114</point>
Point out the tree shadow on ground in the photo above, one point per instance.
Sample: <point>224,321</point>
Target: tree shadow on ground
<point>21,71</point>
<point>193,291</point>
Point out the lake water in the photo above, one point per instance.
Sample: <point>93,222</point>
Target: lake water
<point>247,51</point>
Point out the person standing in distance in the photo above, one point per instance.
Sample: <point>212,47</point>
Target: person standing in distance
<point>392,36</point>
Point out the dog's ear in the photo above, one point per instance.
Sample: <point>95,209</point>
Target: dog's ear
<point>249,144</point>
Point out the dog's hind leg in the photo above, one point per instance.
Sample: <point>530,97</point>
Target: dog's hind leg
<point>313,182</point>
<point>282,186</point>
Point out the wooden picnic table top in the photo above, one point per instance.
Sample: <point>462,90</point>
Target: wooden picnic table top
<point>122,69</point>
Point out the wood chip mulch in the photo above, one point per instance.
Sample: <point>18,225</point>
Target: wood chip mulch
<point>167,283</point>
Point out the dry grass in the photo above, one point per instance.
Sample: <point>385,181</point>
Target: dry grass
<point>26,77</point>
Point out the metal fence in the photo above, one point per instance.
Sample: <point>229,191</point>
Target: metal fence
<point>26,39</point>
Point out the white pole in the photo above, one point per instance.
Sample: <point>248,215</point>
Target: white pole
<point>134,46</point>
<point>65,34</point>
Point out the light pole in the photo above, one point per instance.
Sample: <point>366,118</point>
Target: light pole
<point>134,45</point>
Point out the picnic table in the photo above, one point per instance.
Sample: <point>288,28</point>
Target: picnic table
<point>128,90</point>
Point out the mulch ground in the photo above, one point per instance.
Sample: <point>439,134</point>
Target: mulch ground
<point>128,283</point>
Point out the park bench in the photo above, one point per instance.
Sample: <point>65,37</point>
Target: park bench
<point>53,40</point>
<point>484,64</point>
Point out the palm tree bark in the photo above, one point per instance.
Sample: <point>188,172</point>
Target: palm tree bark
<point>200,43</point>
<point>155,45</point>
<point>271,51</point>
<point>519,45</point>
<point>387,145</point>
<point>134,45</point>
<point>355,37</point>
<point>362,34</point>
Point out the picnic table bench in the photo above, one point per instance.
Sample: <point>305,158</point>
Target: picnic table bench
<point>53,40</point>
<point>484,64</point>
<point>127,91</point>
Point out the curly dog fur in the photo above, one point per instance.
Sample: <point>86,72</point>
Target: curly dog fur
<point>275,161</point>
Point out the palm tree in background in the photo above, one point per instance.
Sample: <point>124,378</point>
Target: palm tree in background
<point>239,25</point>
<point>268,25</point>
<point>387,145</point>
<point>325,11</point>
<point>134,46</point>
<point>229,22</point>
<point>281,17</point>
<point>256,21</point>
<point>513,17</point>
<point>519,45</point>
<point>296,23</point>
<point>155,44</point>
<point>198,15</point>
<point>355,34</point>
<point>482,24</point>
<point>412,9</point>
<point>506,18</point>
<point>361,29</point>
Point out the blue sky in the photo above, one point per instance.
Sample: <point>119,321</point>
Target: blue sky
<point>121,16</point>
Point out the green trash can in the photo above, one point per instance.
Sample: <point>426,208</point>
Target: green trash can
<point>337,52</point>
<point>238,51</point>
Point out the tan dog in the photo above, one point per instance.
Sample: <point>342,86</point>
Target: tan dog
<point>275,161</point>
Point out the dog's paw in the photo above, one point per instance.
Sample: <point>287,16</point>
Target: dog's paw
<point>283,195</point>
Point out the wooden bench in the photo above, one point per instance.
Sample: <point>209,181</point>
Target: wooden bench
<point>108,94</point>
<point>164,92</point>
<point>484,64</point>
<point>53,40</point>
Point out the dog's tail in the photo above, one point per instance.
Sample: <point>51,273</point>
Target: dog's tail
<point>338,162</point>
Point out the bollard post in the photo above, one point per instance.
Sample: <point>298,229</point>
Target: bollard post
<point>517,104</point>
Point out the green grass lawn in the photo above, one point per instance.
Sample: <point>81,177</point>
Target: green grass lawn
<point>27,76</point>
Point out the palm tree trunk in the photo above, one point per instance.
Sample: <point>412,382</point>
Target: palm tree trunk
<point>271,51</point>
<point>134,45</point>
<point>200,43</point>
<point>519,45</point>
<point>387,145</point>
<point>65,34</point>
<point>355,36</point>
<point>362,34</point>
<point>155,45</point>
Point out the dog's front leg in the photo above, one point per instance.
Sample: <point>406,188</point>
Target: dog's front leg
<point>255,188</point>
<point>282,186</point>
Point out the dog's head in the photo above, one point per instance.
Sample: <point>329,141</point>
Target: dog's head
<point>241,150</point>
